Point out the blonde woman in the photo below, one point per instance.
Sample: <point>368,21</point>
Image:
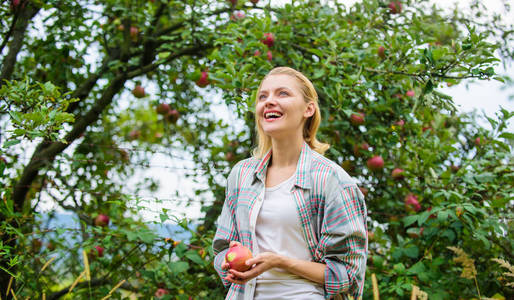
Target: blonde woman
<point>301,214</point>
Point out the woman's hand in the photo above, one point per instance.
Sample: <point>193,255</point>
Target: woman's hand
<point>260,264</point>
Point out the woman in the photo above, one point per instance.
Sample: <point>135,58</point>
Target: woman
<point>301,215</point>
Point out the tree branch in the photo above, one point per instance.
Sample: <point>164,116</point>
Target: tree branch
<point>17,42</point>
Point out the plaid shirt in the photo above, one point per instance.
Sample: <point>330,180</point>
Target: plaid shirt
<point>332,214</point>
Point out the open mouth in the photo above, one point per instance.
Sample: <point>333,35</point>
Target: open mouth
<point>273,115</point>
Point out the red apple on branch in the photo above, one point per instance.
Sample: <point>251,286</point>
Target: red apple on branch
<point>381,52</point>
<point>172,115</point>
<point>358,147</point>
<point>203,81</point>
<point>102,220</point>
<point>357,119</point>
<point>375,163</point>
<point>398,173</point>
<point>162,108</point>
<point>138,91</point>
<point>395,7</point>
<point>269,39</point>
<point>412,203</point>
<point>100,250</point>
<point>160,292</point>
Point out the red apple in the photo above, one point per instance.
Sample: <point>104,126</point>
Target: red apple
<point>229,156</point>
<point>381,52</point>
<point>99,250</point>
<point>410,93</point>
<point>134,32</point>
<point>50,246</point>
<point>238,15</point>
<point>15,4</point>
<point>270,55</point>
<point>134,134</point>
<point>102,220</point>
<point>236,257</point>
<point>375,163</point>
<point>397,173</point>
<point>172,115</point>
<point>269,39</point>
<point>204,79</point>
<point>138,91</point>
<point>162,108</point>
<point>257,53</point>
<point>357,119</point>
<point>412,203</point>
<point>160,292</point>
<point>478,141</point>
<point>395,7</point>
<point>358,147</point>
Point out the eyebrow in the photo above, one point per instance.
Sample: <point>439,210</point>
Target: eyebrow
<point>279,88</point>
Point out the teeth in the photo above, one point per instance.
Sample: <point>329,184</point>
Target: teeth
<point>272,114</point>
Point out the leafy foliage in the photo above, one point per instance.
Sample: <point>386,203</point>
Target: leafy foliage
<point>74,135</point>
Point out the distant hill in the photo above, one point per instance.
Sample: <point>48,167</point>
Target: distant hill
<point>70,221</point>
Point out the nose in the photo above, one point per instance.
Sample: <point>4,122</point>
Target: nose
<point>270,101</point>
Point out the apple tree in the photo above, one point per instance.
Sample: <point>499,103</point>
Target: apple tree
<point>90,90</point>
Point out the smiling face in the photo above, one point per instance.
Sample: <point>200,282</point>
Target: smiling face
<point>281,109</point>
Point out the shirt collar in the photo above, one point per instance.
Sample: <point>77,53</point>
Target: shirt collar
<point>302,178</point>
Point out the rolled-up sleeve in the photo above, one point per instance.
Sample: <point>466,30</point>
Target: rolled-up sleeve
<point>343,240</point>
<point>226,229</point>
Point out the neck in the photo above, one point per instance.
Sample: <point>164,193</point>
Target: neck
<point>286,152</point>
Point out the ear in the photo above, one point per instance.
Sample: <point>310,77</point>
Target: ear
<point>310,110</point>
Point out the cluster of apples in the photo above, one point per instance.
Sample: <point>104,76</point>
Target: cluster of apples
<point>102,221</point>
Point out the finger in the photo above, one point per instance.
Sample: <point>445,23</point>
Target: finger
<point>252,261</point>
<point>231,278</point>
<point>233,243</point>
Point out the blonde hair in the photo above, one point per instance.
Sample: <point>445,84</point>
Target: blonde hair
<point>310,127</point>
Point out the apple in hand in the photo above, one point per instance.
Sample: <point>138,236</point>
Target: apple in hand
<point>236,257</point>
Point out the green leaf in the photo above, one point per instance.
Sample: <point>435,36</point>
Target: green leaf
<point>411,251</point>
<point>180,250</point>
<point>10,143</point>
<point>507,135</point>
<point>193,255</point>
<point>408,220</point>
<point>178,267</point>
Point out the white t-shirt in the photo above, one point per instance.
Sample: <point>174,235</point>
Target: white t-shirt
<point>278,230</point>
